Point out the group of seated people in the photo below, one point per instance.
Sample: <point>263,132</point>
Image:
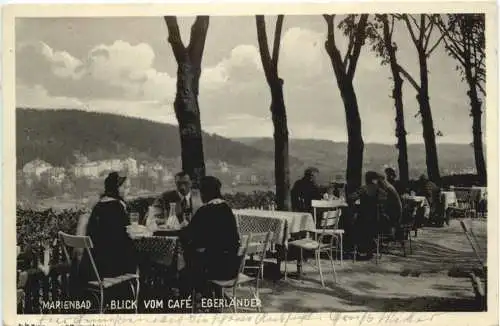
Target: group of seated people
<point>376,207</point>
<point>208,234</point>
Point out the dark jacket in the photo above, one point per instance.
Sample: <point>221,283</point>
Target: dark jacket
<point>372,210</point>
<point>113,250</point>
<point>302,194</point>
<point>393,206</point>
<point>162,204</point>
<point>213,228</point>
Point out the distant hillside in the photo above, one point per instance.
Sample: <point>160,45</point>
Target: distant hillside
<point>331,156</point>
<point>54,135</point>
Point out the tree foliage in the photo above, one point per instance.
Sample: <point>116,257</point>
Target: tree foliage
<point>464,39</point>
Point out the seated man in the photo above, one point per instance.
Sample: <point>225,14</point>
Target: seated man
<point>187,201</point>
<point>393,206</point>
<point>390,176</point>
<point>211,241</point>
<point>372,217</point>
<point>305,190</point>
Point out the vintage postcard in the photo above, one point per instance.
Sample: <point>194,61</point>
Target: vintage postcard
<point>252,164</point>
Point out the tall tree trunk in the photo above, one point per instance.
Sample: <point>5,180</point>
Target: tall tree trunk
<point>477,134</point>
<point>344,74</point>
<point>397,94</point>
<point>355,144</point>
<point>281,158</point>
<point>186,104</point>
<point>187,112</point>
<point>429,133</point>
<point>278,110</point>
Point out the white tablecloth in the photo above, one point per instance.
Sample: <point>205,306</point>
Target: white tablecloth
<point>450,198</point>
<point>281,223</point>
<point>422,201</point>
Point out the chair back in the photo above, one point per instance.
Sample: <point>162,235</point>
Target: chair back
<point>321,204</point>
<point>78,242</point>
<point>330,221</point>
<point>259,243</point>
<point>242,253</point>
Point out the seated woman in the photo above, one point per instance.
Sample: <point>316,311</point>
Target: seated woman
<point>211,241</point>
<point>113,251</point>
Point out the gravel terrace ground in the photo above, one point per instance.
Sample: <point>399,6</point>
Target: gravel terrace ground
<point>366,286</point>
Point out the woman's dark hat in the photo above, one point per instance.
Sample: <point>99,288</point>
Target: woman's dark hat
<point>114,180</point>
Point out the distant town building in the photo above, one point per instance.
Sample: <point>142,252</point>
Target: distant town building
<point>36,168</point>
<point>254,179</point>
<point>95,169</point>
<point>223,167</point>
<point>56,175</point>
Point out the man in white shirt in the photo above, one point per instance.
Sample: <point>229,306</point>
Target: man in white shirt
<point>186,199</point>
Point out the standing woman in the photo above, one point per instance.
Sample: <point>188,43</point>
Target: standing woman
<point>113,250</point>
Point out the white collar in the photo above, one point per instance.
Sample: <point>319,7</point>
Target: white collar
<point>215,201</point>
<point>188,196</point>
<point>106,199</point>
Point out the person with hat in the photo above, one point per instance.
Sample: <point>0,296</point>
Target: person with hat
<point>305,190</point>
<point>390,176</point>
<point>113,249</point>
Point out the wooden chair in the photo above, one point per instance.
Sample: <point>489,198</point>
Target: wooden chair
<point>101,284</point>
<point>240,278</point>
<point>319,246</point>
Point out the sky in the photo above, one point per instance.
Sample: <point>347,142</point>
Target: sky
<point>124,65</point>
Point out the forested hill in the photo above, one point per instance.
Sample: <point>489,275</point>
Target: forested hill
<point>332,156</point>
<point>54,136</point>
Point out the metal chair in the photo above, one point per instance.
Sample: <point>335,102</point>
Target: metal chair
<point>240,278</point>
<point>259,244</point>
<point>319,246</point>
<point>332,219</point>
<point>101,284</point>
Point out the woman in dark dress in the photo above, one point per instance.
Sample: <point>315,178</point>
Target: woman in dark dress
<point>211,240</point>
<point>113,249</point>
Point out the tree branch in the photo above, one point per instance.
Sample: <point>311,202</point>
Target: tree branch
<point>197,39</point>
<point>331,48</point>
<point>174,38</point>
<point>421,30</point>
<point>277,41</point>
<point>263,45</point>
<point>391,31</point>
<point>410,29</point>
<point>359,36</point>
<point>409,78</point>
<point>435,45</point>
<point>428,35</point>
<point>481,88</point>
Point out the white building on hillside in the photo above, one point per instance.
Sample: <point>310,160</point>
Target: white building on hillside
<point>36,168</point>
